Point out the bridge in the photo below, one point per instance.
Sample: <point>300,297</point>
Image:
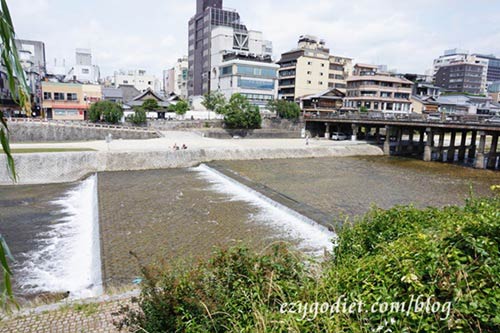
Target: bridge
<point>417,135</point>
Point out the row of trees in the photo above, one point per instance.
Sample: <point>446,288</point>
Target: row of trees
<point>239,113</point>
<point>112,113</point>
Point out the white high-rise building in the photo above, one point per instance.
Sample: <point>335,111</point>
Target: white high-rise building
<point>176,78</point>
<point>84,71</point>
<point>241,63</point>
<point>137,78</point>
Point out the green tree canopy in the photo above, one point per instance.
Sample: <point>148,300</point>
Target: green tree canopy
<point>240,114</point>
<point>214,101</point>
<point>181,107</point>
<point>108,111</point>
<point>139,116</point>
<point>150,104</point>
<point>284,109</point>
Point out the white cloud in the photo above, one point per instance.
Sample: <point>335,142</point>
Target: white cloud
<point>152,34</point>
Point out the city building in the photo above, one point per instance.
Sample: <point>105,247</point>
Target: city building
<point>84,71</point>
<point>138,100</point>
<point>464,77</point>
<point>175,80</point>
<point>323,103</point>
<point>458,56</point>
<point>68,101</point>
<point>245,67</point>
<point>112,94</point>
<point>376,91</point>
<point>493,72</point>
<point>310,69</point>
<point>462,104</point>
<point>33,62</point>
<point>209,15</point>
<point>494,91</point>
<point>137,78</point>
<point>251,76</point>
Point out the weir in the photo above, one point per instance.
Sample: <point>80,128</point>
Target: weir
<point>69,259</point>
<point>312,234</point>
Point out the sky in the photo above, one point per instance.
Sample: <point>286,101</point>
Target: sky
<point>152,34</point>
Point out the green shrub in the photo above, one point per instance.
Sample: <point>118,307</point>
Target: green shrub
<point>240,114</point>
<point>284,109</point>
<point>139,117</point>
<point>107,111</point>
<point>448,255</point>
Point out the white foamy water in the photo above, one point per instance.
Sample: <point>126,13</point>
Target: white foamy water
<point>312,236</point>
<point>69,257</point>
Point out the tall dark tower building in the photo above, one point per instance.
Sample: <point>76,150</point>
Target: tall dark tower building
<point>209,14</point>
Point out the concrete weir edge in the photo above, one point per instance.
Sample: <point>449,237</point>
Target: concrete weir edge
<point>46,168</point>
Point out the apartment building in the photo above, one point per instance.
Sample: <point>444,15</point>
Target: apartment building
<point>84,70</point>
<point>458,56</point>
<point>464,77</point>
<point>310,69</point>
<point>176,78</point>
<point>68,101</point>
<point>374,91</point>
<point>137,78</point>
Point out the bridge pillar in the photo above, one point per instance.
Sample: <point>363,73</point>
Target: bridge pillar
<point>440,146</point>
<point>421,143</point>
<point>480,151</point>
<point>387,143</point>
<point>428,145</point>
<point>472,149</point>
<point>355,129</point>
<point>463,145</point>
<point>399,140</point>
<point>327,131</point>
<point>492,156</point>
<point>450,156</point>
<point>377,134</point>
<point>410,140</point>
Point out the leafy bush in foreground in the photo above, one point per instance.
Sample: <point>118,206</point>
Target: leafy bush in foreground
<point>447,255</point>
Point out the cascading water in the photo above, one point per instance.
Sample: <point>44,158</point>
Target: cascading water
<point>68,258</point>
<point>313,237</point>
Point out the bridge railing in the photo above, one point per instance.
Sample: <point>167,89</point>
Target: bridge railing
<point>413,117</point>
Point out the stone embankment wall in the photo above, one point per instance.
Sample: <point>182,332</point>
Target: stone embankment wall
<point>43,168</point>
<point>57,132</point>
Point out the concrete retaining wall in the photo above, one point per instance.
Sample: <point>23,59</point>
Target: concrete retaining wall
<point>251,134</point>
<point>47,132</point>
<point>67,167</point>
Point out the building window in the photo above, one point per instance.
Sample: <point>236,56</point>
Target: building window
<point>85,71</point>
<point>47,95</point>
<point>227,70</point>
<point>71,97</point>
<point>254,84</point>
<point>58,96</point>
<point>125,82</point>
<point>309,72</point>
<point>309,82</point>
<point>320,83</point>
<point>321,74</point>
<point>322,65</point>
<point>309,63</point>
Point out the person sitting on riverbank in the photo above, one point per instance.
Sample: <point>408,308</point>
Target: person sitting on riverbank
<point>175,147</point>
<point>184,147</point>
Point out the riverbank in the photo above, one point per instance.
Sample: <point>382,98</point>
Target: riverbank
<point>135,155</point>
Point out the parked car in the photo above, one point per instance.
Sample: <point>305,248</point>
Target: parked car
<point>339,136</point>
<point>495,120</point>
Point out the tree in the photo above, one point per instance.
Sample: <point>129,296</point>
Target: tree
<point>108,111</point>
<point>239,113</point>
<point>181,107</point>
<point>363,109</point>
<point>20,93</point>
<point>284,109</point>
<point>214,101</point>
<point>150,105</point>
<point>139,116</point>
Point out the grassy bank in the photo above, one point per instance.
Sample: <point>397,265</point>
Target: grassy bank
<point>400,270</point>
